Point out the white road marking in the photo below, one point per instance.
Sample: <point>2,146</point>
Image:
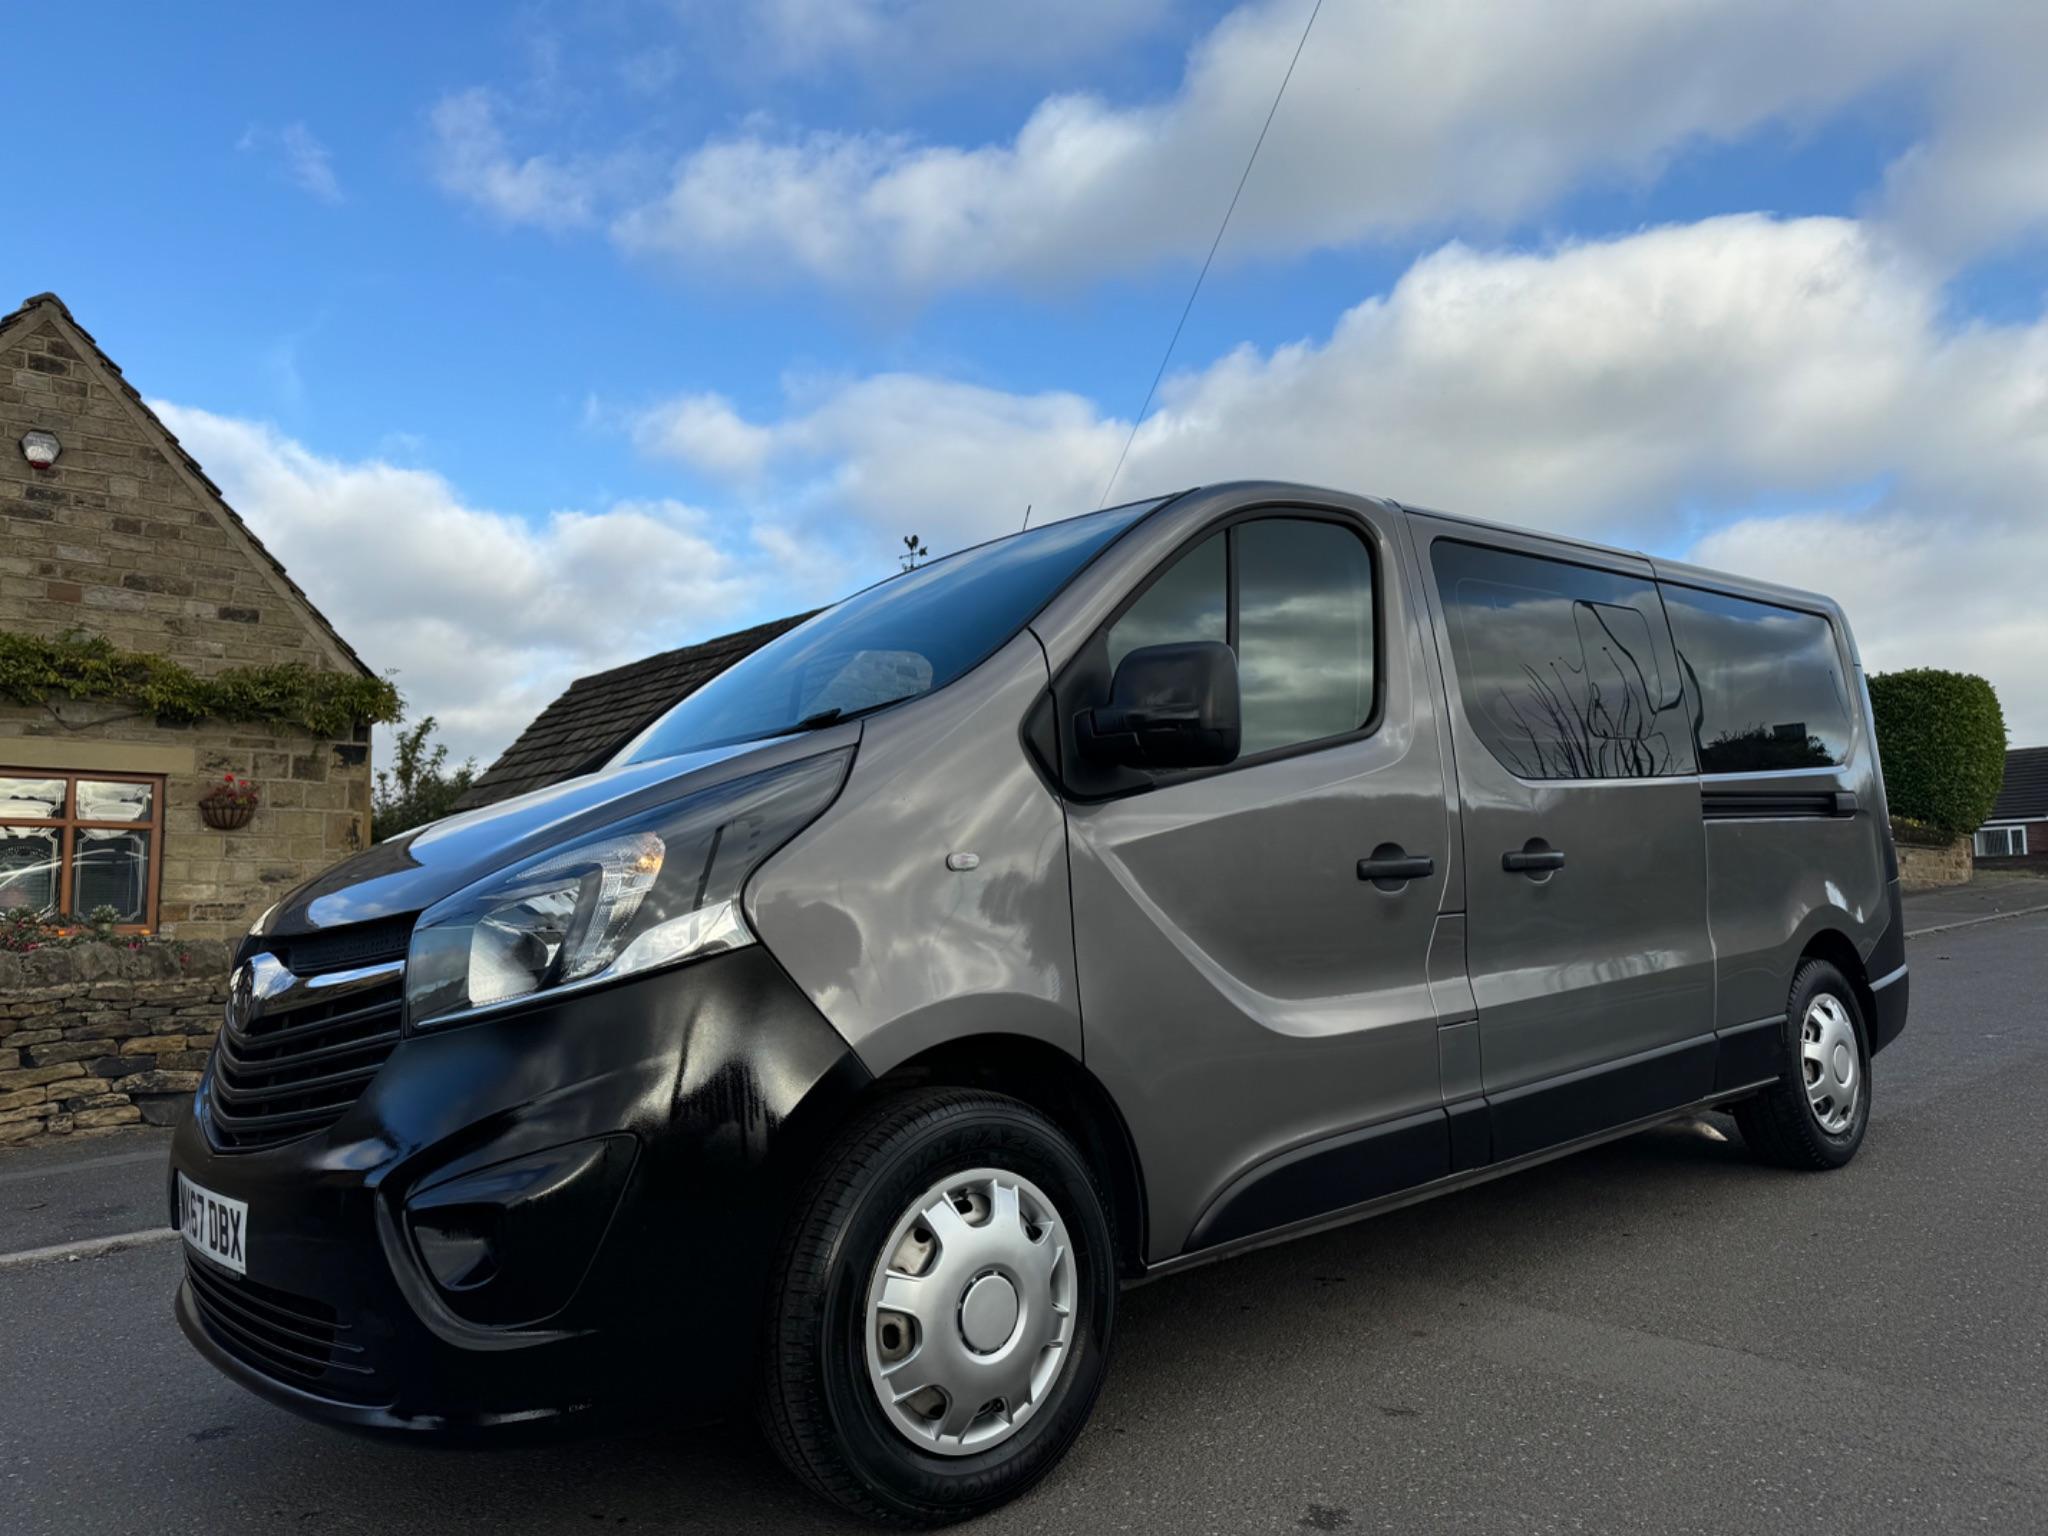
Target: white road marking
<point>90,1248</point>
<point>1971,922</point>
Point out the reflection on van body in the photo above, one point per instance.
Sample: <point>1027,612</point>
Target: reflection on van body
<point>1096,902</point>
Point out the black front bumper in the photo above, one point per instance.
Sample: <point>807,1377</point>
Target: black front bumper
<point>627,1155</point>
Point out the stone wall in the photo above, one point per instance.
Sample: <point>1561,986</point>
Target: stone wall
<point>95,1036</point>
<point>123,537</point>
<point>1923,868</point>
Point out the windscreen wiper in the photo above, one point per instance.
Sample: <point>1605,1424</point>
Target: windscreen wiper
<point>836,715</point>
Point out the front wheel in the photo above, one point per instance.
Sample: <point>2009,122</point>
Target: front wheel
<point>943,1310</point>
<point>1815,1115</point>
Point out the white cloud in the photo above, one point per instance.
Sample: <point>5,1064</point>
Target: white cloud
<point>704,430</point>
<point>484,617</point>
<point>1645,389</point>
<point>1979,180</point>
<point>471,161</point>
<point>307,163</point>
<point>924,42</point>
<point>1401,116</point>
<point>905,452</point>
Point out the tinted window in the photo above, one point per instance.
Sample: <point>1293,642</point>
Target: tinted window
<point>1768,680</point>
<point>1566,672</point>
<point>1187,602</point>
<point>897,639</point>
<point>1304,631</point>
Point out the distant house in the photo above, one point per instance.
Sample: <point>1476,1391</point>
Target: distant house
<point>599,714</point>
<point>118,552</point>
<point>2018,824</point>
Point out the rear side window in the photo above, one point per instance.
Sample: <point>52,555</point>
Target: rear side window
<point>1566,671</point>
<point>1768,683</point>
<point>1299,615</point>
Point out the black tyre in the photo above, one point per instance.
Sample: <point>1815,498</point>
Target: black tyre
<point>942,1312</point>
<point>1814,1117</point>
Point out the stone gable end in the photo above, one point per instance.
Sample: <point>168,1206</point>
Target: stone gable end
<point>124,537</point>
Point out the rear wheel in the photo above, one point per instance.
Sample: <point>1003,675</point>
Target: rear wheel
<point>942,1320</point>
<point>1814,1117</point>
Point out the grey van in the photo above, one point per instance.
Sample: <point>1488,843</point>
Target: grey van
<point>1089,904</point>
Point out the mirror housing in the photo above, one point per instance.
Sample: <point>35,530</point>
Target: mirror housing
<point>1170,706</point>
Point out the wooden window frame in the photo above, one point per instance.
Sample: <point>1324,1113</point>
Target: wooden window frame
<point>68,825</point>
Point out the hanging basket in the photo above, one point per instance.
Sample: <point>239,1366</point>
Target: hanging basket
<point>225,815</point>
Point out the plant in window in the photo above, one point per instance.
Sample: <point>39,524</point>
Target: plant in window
<point>24,930</point>
<point>230,803</point>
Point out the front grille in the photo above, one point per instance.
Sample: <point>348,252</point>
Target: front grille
<point>289,1338</point>
<point>340,949</point>
<point>297,1050</point>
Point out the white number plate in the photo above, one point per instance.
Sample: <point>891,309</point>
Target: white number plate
<point>215,1225</point>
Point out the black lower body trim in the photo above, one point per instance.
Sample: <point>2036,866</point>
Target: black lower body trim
<point>1357,1167</point>
<point>1471,1134</point>
<point>1889,1020</point>
<point>1194,1258</point>
<point>1749,1052</point>
<point>1538,1115</point>
<point>1327,1175</point>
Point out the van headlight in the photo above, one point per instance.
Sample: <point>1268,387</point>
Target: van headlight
<point>659,888</point>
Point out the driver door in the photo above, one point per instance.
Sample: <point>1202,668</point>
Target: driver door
<point>1260,1012</point>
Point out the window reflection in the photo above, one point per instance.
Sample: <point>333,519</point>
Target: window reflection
<point>1564,669</point>
<point>110,869</point>
<point>28,868</point>
<point>1186,603</point>
<point>41,799</point>
<point>102,800</point>
<point>1304,632</point>
<point>1766,682</point>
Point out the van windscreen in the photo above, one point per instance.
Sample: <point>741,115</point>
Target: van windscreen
<point>895,640</point>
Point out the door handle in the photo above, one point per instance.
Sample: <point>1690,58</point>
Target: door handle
<point>1534,859</point>
<point>1391,866</point>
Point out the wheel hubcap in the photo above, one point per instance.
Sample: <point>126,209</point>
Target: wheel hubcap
<point>970,1312</point>
<point>1829,1061</point>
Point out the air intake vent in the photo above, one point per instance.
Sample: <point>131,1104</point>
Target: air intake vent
<point>339,949</point>
<point>289,1338</point>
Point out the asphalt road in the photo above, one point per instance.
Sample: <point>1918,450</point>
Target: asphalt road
<point>1654,1336</point>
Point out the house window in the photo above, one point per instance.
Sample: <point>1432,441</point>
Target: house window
<point>72,843</point>
<point>2001,842</point>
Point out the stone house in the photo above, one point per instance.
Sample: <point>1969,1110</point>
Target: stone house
<point>120,535</point>
<point>2017,828</point>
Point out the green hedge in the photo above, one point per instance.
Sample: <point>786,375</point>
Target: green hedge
<point>1942,738</point>
<point>85,666</point>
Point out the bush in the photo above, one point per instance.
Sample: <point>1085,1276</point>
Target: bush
<point>1942,738</point>
<point>419,787</point>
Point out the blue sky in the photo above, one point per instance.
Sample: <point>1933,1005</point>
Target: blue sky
<point>540,338</point>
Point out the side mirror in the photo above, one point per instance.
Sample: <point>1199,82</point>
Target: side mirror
<point>1170,706</point>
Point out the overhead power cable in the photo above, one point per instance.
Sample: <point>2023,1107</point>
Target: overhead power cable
<point>1187,308</point>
